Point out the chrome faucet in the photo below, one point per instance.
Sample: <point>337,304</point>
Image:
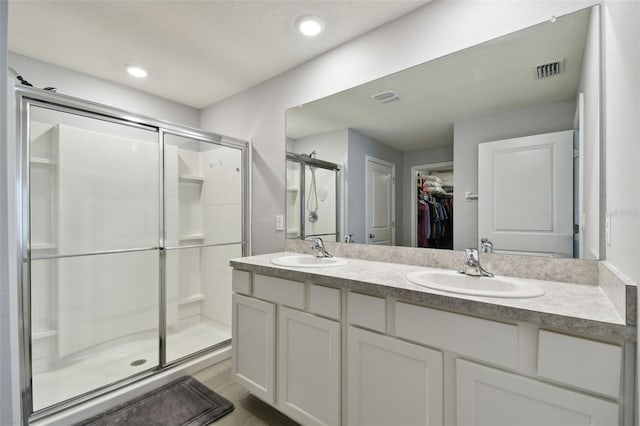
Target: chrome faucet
<point>348,238</point>
<point>472,264</point>
<point>318,248</point>
<point>486,246</point>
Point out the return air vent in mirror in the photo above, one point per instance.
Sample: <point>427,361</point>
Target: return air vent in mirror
<point>549,69</point>
<point>387,96</point>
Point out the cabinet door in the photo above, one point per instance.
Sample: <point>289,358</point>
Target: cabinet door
<point>486,396</point>
<point>308,367</point>
<point>392,382</point>
<point>253,349</point>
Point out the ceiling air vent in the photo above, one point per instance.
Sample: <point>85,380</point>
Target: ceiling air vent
<point>387,96</point>
<point>548,70</point>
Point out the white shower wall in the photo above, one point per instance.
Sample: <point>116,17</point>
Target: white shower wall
<point>223,225</point>
<point>204,182</point>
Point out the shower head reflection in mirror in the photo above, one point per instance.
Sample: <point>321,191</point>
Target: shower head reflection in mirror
<point>313,203</point>
<point>448,107</point>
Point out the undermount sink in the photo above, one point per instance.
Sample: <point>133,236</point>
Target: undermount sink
<point>308,261</point>
<point>455,282</point>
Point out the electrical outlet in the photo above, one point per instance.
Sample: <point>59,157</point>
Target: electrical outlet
<point>279,222</point>
<point>607,227</point>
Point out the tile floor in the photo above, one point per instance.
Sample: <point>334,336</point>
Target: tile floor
<point>249,410</point>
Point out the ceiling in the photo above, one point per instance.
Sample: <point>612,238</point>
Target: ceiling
<point>197,52</point>
<point>494,76</point>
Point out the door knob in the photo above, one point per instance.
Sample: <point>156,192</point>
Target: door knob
<point>372,236</point>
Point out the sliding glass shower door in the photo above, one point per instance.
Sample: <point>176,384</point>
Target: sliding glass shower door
<point>127,231</point>
<point>203,230</point>
<point>94,220</point>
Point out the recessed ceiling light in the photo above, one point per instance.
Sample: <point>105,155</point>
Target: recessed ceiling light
<point>310,25</point>
<point>136,71</point>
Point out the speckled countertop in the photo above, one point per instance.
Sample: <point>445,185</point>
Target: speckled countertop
<point>573,308</point>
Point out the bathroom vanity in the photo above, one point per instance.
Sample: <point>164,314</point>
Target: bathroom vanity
<point>359,344</point>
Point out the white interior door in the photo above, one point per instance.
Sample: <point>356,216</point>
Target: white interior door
<point>525,194</point>
<point>379,200</point>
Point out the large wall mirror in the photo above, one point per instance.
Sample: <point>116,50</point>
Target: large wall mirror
<point>498,141</point>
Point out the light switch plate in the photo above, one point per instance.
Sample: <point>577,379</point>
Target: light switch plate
<point>607,227</point>
<point>279,222</point>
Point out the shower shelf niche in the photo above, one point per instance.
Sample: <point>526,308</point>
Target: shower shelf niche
<point>43,246</point>
<point>191,299</point>
<point>42,161</point>
<point>192,178</point>
<point>191,186</point>
<point>43,334</point>
<point>192,237</point>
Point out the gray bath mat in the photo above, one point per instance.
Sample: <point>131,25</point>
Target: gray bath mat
<point>183,402</point>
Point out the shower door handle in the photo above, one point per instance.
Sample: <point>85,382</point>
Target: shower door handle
<point>372,236</point>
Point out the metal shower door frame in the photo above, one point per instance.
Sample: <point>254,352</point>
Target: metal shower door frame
<point>26,97</point>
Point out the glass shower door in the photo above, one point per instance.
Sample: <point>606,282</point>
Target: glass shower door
<point>203,222</point>
<point>93,235</point>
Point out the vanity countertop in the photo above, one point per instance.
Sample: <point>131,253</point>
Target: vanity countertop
<point>572,308</point>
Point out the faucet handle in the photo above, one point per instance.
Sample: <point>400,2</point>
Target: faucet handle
<point>486,246</point>
<point>471,254</point>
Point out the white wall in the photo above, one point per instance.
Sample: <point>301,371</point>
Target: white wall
<point>415,158</point>
<point>622,109</point>
<point>9,391</point>
<point>467,134</point>
<point>83,86</point>
<point>590,86</point>
<point>438,28</point>
<point>359,147</point>
<point>330,146</point>
<point>622,127</point>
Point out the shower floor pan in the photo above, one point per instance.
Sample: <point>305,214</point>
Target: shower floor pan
<point>108,366</point>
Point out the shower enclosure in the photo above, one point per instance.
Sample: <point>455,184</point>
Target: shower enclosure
<point>127,228</point>
<point>313,194</point>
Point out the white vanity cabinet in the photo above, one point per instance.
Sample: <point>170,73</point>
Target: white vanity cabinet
<point>253,334</point>
<point>392,382</point>
<point>328,356</point>
<point>287,346</point>
<point>487,396</point>
<point>308,378</point>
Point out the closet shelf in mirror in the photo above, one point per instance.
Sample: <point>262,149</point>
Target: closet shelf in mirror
<point>43,246</point>
<point>192,178</point>
<point>191,299</point>
<point>42,161</point>
<point>191,237</point>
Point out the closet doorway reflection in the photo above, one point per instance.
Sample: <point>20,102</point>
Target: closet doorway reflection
<point>432,206</point>
<point>128,225</point>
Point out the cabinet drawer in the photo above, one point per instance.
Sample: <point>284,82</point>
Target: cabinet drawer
<point>485,340</point>
<point>278,290</point>
<point>241,282</point>
<point>367,311</point>
<point>324,301</point>
<point>584,363</point>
